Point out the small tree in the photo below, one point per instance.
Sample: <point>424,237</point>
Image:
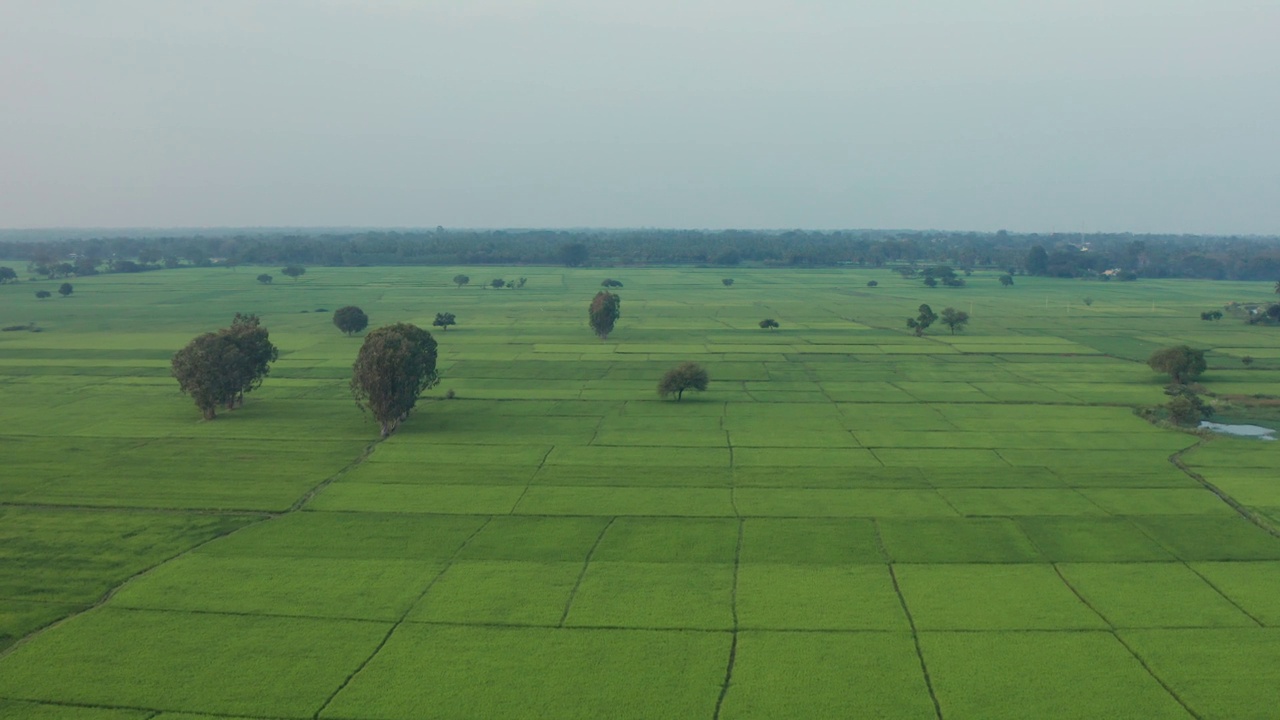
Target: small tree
<point>444,320</point>
<point>42,294</point>
<point>265,279</point>
<point>65,289</point>
<point>685,376</point>
<point>395,364</point>
<point>7,275</point>
<point>873,283</point>
<point>769,324</point>
<point>521,282</point>
<point>294,271</point>
<point>1247,360</point>
<point>611,283</point>
<point>461,280</point>
<point>922,321</point>
<point>605,310</point>
<point>1186,408</point>
<point>954,319</point>
<point>1088,301</point>
<point>1006,281</point>
<point>497,283</point>
<point>350,319</point>
<point>728,282</point>
<point>1180,361</point>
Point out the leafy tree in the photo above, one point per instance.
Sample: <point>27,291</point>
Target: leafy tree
<point>921,322</point>
<point>265,279</point>
<point>1037,261</point>
<point>42,294</point>
<point>7,274</point>
<point>611,283</point>
<point>522,281</point>
<point>200,371</point>
<point>511,284</point>
<point>728,282</point>
<point>1180,361</point>
<point>497,283</point>
<point>65,289</point>
<point>769,323</point>
<point>873,283</point>
<point>944,274</point>
<point>954,319</point>
<point>1211,315</point>
<point>1006,281</point>
<point>294,271</point>
<point>257,353</point>
<point>350,319</point>
<point>219,368</point>
<point>1187,408</point>
<point>605,310</point>
<point>574,254</point>
<point>444,320</point>
<point>395,364</point>
<point>461,280</point>
<point>685,376</point>
<point>1088,301</point>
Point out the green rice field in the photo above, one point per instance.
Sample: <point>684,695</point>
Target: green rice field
<point>851,522</point>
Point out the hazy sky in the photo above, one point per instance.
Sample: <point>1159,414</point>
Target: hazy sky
<point>1047,115</point>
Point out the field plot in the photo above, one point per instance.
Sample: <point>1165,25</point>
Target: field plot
<point>850,522</point>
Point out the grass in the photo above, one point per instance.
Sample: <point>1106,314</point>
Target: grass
<point>846,509</point>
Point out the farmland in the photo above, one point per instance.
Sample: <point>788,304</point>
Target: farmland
<point>850,522</point>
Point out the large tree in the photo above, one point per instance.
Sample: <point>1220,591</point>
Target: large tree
<point>218,368</point>
<point>294,271</point>
<point>461,280</point>
<point>605,310</point>
<point>685,376</point>
<point>1181,362</point>
<point>257,353</point>
<point>574,254</point>
<point>65,289</point>
<point>923,320</point>
<point>1006,280</point>
<point>395,364</point>
<point>7,274</point>
<point>200,369</point>
<point>1037,261</point>
<point>954,319</point>
<point>350,319</point>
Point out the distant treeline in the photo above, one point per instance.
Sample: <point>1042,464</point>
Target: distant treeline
<point>1075,255</point>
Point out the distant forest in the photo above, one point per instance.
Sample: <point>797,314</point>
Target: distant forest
<point>1128,256</point>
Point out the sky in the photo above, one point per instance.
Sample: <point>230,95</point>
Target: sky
<point>1026,115</point>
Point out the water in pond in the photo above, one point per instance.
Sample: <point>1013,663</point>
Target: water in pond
<point>1253,431</point>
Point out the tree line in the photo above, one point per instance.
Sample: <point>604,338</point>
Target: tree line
<point>1104,255</point>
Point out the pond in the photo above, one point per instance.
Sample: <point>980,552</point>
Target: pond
<point>1253,431</point>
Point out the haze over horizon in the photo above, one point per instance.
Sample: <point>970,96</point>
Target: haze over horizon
<point>1058,116</point>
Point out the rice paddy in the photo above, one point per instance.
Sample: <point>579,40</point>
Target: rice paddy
<point>850,522</point>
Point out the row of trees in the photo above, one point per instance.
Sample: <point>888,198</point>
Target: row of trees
<point>394,365</point>
<point>60,253</point>
<point>952,318</point>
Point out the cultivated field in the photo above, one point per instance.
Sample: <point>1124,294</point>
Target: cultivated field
<point>851,522</point>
